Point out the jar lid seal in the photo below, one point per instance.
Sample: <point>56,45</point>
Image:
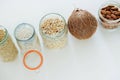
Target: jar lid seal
<point>29,53</point>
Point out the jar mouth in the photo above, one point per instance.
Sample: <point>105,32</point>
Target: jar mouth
<point>52,15</point>
<point>114,3</point>
<point>5,36</point>
<point>21,25</point>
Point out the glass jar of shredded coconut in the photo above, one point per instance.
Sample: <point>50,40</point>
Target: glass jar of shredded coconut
<point>26,37</point>
<point>8,51</point>
<point>53,30</point>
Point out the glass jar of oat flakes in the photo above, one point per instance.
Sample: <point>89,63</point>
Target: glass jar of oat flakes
<point>8,51</point>
<point>53,30</point>
<point>26,37</point>
<point>109,15</point>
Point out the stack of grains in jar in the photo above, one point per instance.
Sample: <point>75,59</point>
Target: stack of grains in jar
<point>26,37</point>
<point>8,50</point>
<point>53,30</point>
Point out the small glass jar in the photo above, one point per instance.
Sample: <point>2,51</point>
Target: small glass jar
<point>53,30</point>
<point>26,37</point>
<point>8,50</point>
<point>108,15</point>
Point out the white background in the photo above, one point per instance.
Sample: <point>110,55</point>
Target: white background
<point>97,58</point>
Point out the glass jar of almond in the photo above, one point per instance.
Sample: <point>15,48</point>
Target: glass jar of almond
<point>109,15</point>
<point>53,30</point>
<point>8,50</point>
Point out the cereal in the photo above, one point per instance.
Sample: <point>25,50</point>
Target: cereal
<point>2,34</point>
<point>52,26</point>
<point>8,51</point>
<point>54,31</point>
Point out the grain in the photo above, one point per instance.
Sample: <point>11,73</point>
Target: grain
<point>2,34</point>
<point>8,51</point>
<point>54,33</point>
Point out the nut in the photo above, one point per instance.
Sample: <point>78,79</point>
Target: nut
<point>114,8</point>
<point>113,16</point>
<point>117,13</point>
<point>103,12</point>
<point>110,12</point>
<point>108,16</point>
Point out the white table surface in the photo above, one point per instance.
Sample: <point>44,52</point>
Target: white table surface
<point>97,58</point>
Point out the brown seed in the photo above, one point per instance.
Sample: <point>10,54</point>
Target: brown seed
<point>114,8</point>
<point>113,12</point>
<point>118,17</point>
<point>103,15</point>
<point>117,13</point>
<point>103,12</point>
<point>108,12</point>
<point>108,16</point>
<point>103,8</point>
<point>114,16</point>
<point>111,6</point>
<point>108,8</point>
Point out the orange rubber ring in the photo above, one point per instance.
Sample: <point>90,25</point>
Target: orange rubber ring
<point>29,52</point>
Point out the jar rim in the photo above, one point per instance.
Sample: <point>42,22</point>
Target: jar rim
<point>6,35</point>
<point>56,14</point>
<point>114,3</point>
<point>18,26</point>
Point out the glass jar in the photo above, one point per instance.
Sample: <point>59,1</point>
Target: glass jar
<point>109,15</point>
<point>53,30</point>
<point>26,37</point>
<point>8,50</point>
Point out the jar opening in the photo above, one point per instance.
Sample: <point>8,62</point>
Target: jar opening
<point>24,32</point>
<point>56,20</point>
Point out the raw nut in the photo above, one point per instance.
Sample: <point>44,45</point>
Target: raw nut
<point>114,12</point>
<point>108,12</point>
<point>108,8</point>
<point>117,13</point>
<point>108,16</point>
<point>111,13</point>
<point>103,12</point>
<point>118,16</point>
<point>114,8</point>
<point>113,16</point>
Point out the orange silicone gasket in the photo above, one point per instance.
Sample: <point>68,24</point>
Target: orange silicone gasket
<point>30,52</point>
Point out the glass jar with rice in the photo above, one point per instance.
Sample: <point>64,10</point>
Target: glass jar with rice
<point>26,37</point>
<point>8,50</point>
